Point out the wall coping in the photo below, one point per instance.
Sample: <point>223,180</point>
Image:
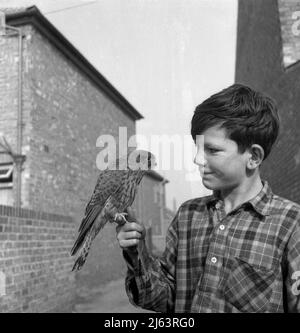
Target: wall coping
<point>25,213</point>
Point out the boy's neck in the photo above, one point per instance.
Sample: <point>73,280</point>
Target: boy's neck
<point>246,191</point>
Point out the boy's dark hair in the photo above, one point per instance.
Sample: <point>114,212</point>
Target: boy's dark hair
<point>248,117</point>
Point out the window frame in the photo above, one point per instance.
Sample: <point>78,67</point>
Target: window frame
<point>7,175</point>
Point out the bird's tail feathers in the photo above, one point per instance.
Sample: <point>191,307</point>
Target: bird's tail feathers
<point>86,225</point>
<point>77,245</point>
<point>90,215</point>
<point>83,254</point>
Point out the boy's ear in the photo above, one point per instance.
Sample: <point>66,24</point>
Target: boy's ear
<point>257,154</point>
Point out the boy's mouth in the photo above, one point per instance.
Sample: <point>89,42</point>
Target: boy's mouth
<point>204,173</point>
<point>207,173</point>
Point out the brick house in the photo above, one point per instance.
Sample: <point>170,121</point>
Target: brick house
<point>155,215</point>
<point>53,106</point>
<point>267,58</point>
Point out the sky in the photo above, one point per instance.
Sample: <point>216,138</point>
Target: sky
<point>164,56</point>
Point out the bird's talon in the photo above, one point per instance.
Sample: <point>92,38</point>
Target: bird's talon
<point>120,218</point>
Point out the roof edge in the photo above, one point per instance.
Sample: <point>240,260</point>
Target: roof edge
<point>32,15</point>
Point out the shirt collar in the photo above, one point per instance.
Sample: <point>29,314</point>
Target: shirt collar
<point>260,203</point>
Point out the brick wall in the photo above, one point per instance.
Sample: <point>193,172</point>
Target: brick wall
<point>35,261</point>
<point>289,14</point>
<point>68,114</point>
<point>9,87</point>
<point>63,115</point>
<point>9,63</point>
<point>259,63</point>
<point>8,101</point>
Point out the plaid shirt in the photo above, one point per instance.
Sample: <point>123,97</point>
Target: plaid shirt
<point>245,261</point>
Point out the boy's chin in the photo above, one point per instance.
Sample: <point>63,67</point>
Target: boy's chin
<point>209,185</point>
<point>212,185</point>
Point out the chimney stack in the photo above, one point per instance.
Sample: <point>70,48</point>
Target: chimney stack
<point>289,14</point>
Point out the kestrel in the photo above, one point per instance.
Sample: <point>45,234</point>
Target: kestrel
<point>114,192</point>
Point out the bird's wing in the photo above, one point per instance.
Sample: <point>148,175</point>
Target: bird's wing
<point>107,184</point>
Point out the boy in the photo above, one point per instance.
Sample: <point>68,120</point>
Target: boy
<point>237,250</point>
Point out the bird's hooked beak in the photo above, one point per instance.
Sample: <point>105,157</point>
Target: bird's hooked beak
<point>151,161</point>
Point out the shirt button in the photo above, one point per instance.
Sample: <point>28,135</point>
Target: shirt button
<point>218,205</point>
<point>213,260</point>
<point>222,226</point>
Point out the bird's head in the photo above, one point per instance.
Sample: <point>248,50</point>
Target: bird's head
<point>141,160</point>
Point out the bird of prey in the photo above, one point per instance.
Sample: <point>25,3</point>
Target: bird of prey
<point>114,192</point>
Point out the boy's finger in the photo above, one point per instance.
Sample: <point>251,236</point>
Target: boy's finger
<point>133,235</point>
<point>131,214</point>
<point>129,244</point>
<point>132,226</point>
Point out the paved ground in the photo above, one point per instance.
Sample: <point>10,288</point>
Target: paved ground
<point>110,299</point>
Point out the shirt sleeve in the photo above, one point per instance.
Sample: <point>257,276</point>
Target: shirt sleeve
<point>150,282</point>
<point>292,280</point>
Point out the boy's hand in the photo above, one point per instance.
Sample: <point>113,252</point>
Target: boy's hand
<point>130,233</point>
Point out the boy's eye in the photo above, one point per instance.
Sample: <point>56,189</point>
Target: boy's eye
<point>212,150</point>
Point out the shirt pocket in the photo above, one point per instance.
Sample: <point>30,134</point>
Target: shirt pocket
<point>249,286</point>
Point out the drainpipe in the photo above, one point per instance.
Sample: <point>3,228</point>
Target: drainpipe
<point>17,156</point>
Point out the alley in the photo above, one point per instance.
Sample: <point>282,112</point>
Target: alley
<point>111,298</point>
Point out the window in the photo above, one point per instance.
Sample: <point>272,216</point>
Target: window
<point>6,175</point>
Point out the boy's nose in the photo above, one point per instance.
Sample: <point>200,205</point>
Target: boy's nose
<point>200,158</point>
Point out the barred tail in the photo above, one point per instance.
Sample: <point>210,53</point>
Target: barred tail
<point>83,254</point>
<point>86,225</point>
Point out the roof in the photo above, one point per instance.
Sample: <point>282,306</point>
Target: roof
<point>10,10</point>
<point>31,15</point>
<point>156,176</point>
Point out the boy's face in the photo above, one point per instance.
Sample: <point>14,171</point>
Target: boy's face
<point>221,165</point>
